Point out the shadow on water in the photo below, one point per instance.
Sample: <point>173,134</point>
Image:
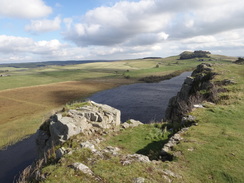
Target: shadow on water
<point>16,158</point>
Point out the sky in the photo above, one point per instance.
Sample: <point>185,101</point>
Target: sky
<point>46,30</point>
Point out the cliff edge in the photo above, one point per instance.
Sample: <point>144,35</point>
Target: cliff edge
<point>196,88</point>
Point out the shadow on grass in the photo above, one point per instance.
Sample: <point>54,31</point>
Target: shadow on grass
<point>154,151</point>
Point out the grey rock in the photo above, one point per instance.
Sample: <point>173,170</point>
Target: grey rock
<point>112,150</point>
<point>97,141</point>
<point>189,80</point>
<point>170,173</point>
<point>60,152</point>
<point>188,120</point>
<point>134,123</point>
<point>198,106</point>
<point>228,82</point>
<point>139,180</point>
<point>173,141</point>
<point>62,130</point>
<point>125,125</point>
<point>88,145</point>
<point>57,129</point>
<point>83,168</point>
<point>137,157</point>
<point>167,178</point>
<point>131,123</point>
<point>177,137</point>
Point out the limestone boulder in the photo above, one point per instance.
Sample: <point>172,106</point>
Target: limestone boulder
<point>131,123</point>
<point>63,125</point>
<point>88,145</point>
<point>139,180</point>
<point>81,167</point>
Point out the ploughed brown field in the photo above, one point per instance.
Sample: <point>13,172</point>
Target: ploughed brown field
<point>23,108</point>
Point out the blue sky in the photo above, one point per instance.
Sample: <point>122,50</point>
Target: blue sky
<point>43,30</point>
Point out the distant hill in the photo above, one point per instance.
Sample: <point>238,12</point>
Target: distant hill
<point>47,63</point>
<point>152,58</point>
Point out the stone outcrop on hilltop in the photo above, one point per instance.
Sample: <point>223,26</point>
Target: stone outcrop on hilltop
<point>195,89</point>
<point>195,54</point>
<point>86,119</point>
<point>240,61</point>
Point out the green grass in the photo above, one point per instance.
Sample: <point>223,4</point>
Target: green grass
<point>145,139</point>
<point>133,140</point>
<point>25,79</point>
<point>217,153</point>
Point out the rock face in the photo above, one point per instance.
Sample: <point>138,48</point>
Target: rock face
<point>61,126</point>
<point>195,89</point>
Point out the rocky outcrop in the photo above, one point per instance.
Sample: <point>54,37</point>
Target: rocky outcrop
<point>195,89</point>
<point>81,167</point>
<point>240,60</point>
<point>195,54</point>
<point>131,123</point>
<point>173,141</point>
<point>86,119</point>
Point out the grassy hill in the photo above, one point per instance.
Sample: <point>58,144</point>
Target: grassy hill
<point>211,151</point>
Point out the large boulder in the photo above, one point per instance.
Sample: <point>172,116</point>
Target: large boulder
<point>63,125</point>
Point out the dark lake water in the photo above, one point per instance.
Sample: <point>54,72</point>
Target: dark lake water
<point>143,101</point>
<point>16,158</point>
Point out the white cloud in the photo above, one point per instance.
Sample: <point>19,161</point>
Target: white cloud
<point>226,43</point>
<point>12,44</point>
<point>24,8</point>
<point>149,23</point>
<point>45,25</point>
<point>68,22</point>
<point>199,39</point>
<point>210,17</point>
<point>9,44</point>
<point>14,48</point>
<point>117,24</point>
<point>128,29</point>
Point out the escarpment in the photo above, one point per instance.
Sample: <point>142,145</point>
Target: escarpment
<point>196,88</point>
